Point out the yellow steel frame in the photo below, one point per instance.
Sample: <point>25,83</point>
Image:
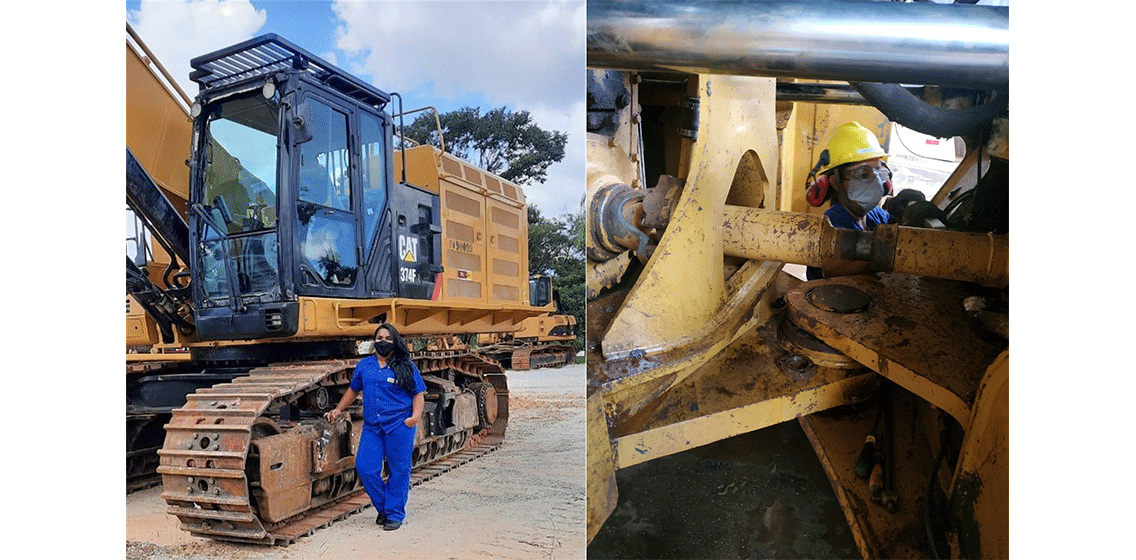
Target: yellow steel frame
<point>691,318</point>
<point>690,356</point>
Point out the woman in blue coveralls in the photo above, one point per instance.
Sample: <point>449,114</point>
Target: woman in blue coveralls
<point>393,399</point>
<point>851,171</point>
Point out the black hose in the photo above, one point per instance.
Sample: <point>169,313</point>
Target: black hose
<point>901,106</point>
<point>170,269</point>
<point>927,504</point>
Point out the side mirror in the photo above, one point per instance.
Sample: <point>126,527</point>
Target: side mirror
<point>540,291</point>
<point>300,121</point>
<point>219,204</point>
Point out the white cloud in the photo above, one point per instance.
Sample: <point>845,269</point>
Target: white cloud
<point>178,30</point>
<point>561,191</point>
<point>513,50</point>
<point>523,55</point>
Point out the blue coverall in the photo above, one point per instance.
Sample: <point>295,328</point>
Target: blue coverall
<point>385,436</point>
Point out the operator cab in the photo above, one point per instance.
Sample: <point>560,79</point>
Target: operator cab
<point>292,193</point>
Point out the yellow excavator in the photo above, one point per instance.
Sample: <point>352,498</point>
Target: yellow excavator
<point>544,341</point>
<point>281,222</point>
<point>706,121</point>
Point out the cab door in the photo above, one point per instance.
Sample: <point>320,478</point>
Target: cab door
<point>328,237</point>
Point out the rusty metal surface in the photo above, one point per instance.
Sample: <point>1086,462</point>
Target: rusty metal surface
<point>233,473</point>
<point>520,355</point>
<point>471,364</point>
<point>141,469</point>
<point>521,359</point>
<point>285,474</point>
<point>465,409</point>
<point>916,333</point>
<point>208,442</point>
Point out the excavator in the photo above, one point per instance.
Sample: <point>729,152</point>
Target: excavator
<point>281,221</point>
<point>544,341</point>
<point>706,123</point>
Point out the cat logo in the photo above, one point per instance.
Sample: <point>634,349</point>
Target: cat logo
<point>408,248</point>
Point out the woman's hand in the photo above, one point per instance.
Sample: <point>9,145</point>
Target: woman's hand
<point>411,422</point>
<point>331,415</point>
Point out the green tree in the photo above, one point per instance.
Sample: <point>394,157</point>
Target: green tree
<point>501,141</point>
<point>556,249</point>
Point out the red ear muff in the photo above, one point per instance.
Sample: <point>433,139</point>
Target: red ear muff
<point>817,191</point>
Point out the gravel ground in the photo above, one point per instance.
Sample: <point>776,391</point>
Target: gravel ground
<point>525,500</point>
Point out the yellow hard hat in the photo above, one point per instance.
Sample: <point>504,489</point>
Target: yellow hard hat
<point>850,143</point>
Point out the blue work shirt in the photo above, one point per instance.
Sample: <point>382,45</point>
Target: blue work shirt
<point>385,404</point>
<point>843,219</point>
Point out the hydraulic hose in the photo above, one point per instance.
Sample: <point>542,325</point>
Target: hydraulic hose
<point>901,106</point>
<point>927,505</point>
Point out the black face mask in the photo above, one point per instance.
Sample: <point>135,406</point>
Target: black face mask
<point>384,348</point>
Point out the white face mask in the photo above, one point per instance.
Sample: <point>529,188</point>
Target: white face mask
<point>865,194</point>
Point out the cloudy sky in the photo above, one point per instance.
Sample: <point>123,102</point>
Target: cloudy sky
<point>450,54</point>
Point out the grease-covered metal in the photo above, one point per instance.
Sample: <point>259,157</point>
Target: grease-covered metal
<point>810,239</point>
<point>916,333</point>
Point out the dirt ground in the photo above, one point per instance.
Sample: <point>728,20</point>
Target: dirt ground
<point>758,495</point>
<point>525,500</point>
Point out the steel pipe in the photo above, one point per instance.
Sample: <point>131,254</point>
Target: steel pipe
<point>819,93</point>
<point>772,235</point>
<point>887,42</point>
<point>810,239</point>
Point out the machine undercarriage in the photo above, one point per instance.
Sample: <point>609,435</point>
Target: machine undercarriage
<point>254,461</point>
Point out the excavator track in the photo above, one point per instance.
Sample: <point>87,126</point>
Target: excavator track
<point>521,356</point>
<point>141,469</point>
<point>534,357</point>
<point>253,461</point>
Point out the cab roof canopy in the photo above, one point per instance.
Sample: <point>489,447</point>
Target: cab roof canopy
<point>269,54</point>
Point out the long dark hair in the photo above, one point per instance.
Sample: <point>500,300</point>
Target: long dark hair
<point>399,360</point>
